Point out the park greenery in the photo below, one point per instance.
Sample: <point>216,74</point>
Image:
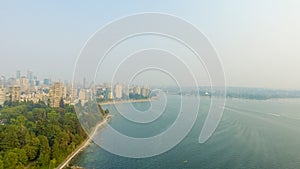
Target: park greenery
<point>34,135</point>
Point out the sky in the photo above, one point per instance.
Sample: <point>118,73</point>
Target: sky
<point>257,41</point>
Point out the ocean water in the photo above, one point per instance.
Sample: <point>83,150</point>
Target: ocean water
<point>252,134</point>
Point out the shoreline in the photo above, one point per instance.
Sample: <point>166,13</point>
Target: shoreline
<point>84,144</point>
<point>126,101</point>
<point>87,142</point>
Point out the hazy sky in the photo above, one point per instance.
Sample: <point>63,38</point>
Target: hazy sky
<point>257,41</point>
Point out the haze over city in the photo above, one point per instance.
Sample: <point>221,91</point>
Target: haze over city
<point>150,84</point>
<point>256,40</point>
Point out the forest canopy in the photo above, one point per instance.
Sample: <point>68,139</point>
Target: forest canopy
<point>33,135</point>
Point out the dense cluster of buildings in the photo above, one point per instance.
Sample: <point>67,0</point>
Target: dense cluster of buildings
<point>29,88</point>
<point>106,92</point>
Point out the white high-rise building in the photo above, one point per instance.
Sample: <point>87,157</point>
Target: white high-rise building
<point>145,91</point>
<point>137,90</point>
<point>110,95</point>
<point>118,91</point>
<point>126,91</point>
<point>2,95</point>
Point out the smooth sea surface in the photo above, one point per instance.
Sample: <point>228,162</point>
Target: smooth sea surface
<point>253,134</point>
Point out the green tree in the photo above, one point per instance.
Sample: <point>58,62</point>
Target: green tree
<point>10,138</point>
<point>21,120</point>
<point>32,146</point>
<point>29,115</point>
<point>22,130</point>
<point>52,163</point>
<point>1,164</point>
<point>70,122</point>
<point>31,152</point>
<point>53,117</point>
<point>22,157</point>
<point>45,151</point>
<point>56,151</point>
<point>38,113</point>
<point>10,160</point>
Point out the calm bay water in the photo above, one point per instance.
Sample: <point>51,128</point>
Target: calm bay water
<point>252,134</point>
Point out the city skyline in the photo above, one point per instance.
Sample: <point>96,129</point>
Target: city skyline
<point>49,81</point>
<point>56,93</point>
<point>256,43</point>
<point>18,76</point>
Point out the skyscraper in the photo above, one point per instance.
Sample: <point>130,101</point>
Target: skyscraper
<point>18,74</point>
<point>108,93</point>
<point>145,91</point>
<point>56,93</point>
<point>137,90</point>
<point>47,82</point>
<point>118,91</point>
<point>30,77</point>
<point>24,83</point>
<point>84,83</point>
<point>14,93</point>
<point>2,82</point>
<point>126,91</point>
<point>2,96</point>
<point>82,95</point>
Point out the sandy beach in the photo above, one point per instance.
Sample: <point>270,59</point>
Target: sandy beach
<point>84,144</point>
<point>88,141</point>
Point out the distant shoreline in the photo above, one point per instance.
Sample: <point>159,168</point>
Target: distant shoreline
<point>127,101</point>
